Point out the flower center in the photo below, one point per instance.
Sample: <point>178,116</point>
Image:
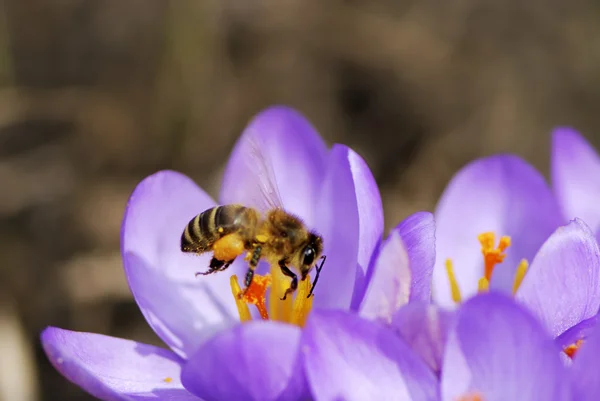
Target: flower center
<point>492,256</point>
<point>572,349</point>
<point>293,310</point>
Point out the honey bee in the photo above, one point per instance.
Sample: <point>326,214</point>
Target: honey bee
<point>271,234</point>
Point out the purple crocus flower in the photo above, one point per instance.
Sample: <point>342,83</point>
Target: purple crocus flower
<point>575,172</point>
<point>496,351</point>
<point>212,356</point>
<point>585,374</point>
<point>553,270</point>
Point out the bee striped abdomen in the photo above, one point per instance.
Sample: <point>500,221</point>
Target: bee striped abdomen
<point>209,226</point>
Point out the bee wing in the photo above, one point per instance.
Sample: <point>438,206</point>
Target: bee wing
<point>267,197</point>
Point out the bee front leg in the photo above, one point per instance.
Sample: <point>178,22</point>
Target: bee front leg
<point>294,284</point>
<point>215,266</point>
<point>226,265</point>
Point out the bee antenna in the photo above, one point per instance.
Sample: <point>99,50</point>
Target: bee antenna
<point>317,276</point>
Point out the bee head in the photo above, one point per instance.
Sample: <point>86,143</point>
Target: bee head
<point>310,253</point>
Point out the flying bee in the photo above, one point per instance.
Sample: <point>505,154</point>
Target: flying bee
<point>278,237</point>
<point>264,230</point>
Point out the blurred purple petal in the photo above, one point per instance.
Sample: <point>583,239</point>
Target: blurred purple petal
<point>389,286</point>
<point>254,361</point>
<point>418,234</point>
<point>114,369</point>
<point>350,221</point>
<point>425,328</point>
<point>349,358</point>
<point>562,286</point>
<point>297,155</point>
<point>584,370</point>
<point>502,194</point>
<point>498,350</point>
<point>182,309</point>
<point>576,176</point>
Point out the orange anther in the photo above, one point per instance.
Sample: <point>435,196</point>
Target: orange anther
<point>492,255</point>
<point>572,349</point>
<point>256,294</point>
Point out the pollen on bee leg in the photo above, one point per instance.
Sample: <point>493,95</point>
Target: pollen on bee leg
<point>454,290</point>
<point>492,255</point>
<point>519,275</point>
<point>572,349</point>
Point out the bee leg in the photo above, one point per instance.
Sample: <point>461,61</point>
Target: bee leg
<point>294,284</point>
<point>215,266</point>
<point>253,263</point>
<point>226,265</point>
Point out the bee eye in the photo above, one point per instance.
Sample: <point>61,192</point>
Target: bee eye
<point>309,256</point>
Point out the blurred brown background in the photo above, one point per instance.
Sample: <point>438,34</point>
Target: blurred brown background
<point>95,95</point>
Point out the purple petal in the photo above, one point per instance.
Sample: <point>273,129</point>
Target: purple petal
<point>297,157</point>
<point>580,331</point>
<point>562,286</point>
<point>370,216</point>
<point>576,176</point>
<point>502,194</point>
<point>253,361</point>
<point>584,370</point>
<point>349,358</point>
<point>425,328</point>
<point>389,286</point>
<point>114,369</point>
<point>182,309</point>
<point>498,350</point>
<point>418,234</point>
<point>350,220</point>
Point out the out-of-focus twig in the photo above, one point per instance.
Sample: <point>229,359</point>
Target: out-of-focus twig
<point>18,374</point>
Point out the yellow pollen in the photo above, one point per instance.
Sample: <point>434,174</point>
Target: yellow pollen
<point>262,238</point>
<point>520,274</point>
<point>168,379</point>
<point>492,255</point>
<point>294,309</point>
<point>483,285</point>
<point>471,397</point>
<point>572,349</point>
<point>454,290</point>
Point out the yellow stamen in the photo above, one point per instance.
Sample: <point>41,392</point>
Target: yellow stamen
<point>492,256</point>
<point>471,397</point>
<point>483,285</point>
<point>168,379</point>
<point>572,349</point>
<point>242,306</point>
<point>521,270</point>
<point>302,304</point>
<point>280,310</point>
<point>454,290</point>
<point>294,309</point>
